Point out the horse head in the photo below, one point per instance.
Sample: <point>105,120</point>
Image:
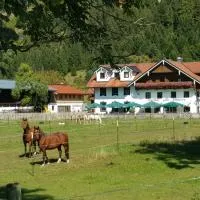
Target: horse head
<point>38,133</point>
<point>25,124</point>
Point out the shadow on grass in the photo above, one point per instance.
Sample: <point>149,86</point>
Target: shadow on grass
<point>177,154</point>
<point>51,161</point>
<point>28,194</point>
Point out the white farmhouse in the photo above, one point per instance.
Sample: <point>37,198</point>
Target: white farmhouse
<point>65,98</point>
<point>161,82</point>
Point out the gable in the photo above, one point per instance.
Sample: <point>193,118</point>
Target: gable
<point>163,69</point>
<point>101,69</point>
<point>165,66</point>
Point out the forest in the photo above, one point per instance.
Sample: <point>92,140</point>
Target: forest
<point>65,41</point>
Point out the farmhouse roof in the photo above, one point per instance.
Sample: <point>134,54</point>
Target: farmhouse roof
<point>182,66</point>
<point>190,69</point>
<point>115,82</point>
<point>7,84</point>
<point>65,89</point>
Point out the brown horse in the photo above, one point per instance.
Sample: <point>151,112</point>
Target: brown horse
<point>28,137</point>
<point>55,140</point>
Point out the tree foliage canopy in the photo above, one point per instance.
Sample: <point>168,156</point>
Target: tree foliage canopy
<point>67,36</point>
<point>29,90</point>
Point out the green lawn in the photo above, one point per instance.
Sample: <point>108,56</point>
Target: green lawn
<point>144,159</point>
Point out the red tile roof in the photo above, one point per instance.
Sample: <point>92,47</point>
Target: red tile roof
<point>66,89</point>
<point>114,82</point>
<point>191,69</point>
<point>90,91</point>
<point>186,68</point>
<point>193,66</point>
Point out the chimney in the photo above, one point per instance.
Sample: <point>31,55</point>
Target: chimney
<point>179,59</point>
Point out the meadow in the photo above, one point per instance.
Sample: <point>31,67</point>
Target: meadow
<point>140,159</point>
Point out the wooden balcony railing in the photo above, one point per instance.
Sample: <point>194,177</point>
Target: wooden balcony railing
<point>164,85</point>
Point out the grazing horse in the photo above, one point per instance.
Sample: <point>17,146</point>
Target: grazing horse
<point>28,137</point>
<point>79,118</point>
<point>96,118</point>
<point>55,140</point>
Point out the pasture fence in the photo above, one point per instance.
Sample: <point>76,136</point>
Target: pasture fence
<point>8,116</point>
<point>119,126</point>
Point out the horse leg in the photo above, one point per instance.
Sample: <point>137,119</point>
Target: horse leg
<point>38,144</point>
<point>25,149</point>
<point>60,154</point>
<point>34,145</point>
<point>45,158</point>
<point>30,147</point>
<point>24,141</point>
<point>66,146</point>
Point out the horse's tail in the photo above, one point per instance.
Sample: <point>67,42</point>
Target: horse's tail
<point>66,146</point>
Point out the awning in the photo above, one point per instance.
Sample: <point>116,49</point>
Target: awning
<point>151,104</point>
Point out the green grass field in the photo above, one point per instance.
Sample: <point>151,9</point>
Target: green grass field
<point>143,159</point>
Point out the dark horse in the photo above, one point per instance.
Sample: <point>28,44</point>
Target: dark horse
<point>28,137</point>
<point>53,141</point>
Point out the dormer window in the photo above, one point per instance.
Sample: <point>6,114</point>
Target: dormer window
<point>126,74</point>
<point>102,75</point>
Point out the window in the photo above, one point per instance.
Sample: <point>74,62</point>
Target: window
<point>162,79</point>
<point>52,108</point>
<point>148,95</point>
<point>126,74</point>
<point>64,108</point>
<point>103,109</point>
<point>159,95</point>
<point>198,94</point>
<point>186,109</point>
<point>186,94</point>
<point>114,91</point>
<point>127,91</point>
<point>102,75</point>
<point>102,91</point>
<point>117,75</point>
<point>173,94</point>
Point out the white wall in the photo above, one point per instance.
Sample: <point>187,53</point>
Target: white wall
<point>138,96</point>
<point>15,108</point>
<point>74,106</point>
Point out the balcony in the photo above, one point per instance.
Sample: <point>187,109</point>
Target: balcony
<point>164,85</point>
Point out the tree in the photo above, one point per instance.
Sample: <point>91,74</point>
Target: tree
<point>29,90</point>
<point>44,21</point>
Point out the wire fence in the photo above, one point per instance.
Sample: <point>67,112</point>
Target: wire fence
<point>118,130</point>
<point>69,115</point>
